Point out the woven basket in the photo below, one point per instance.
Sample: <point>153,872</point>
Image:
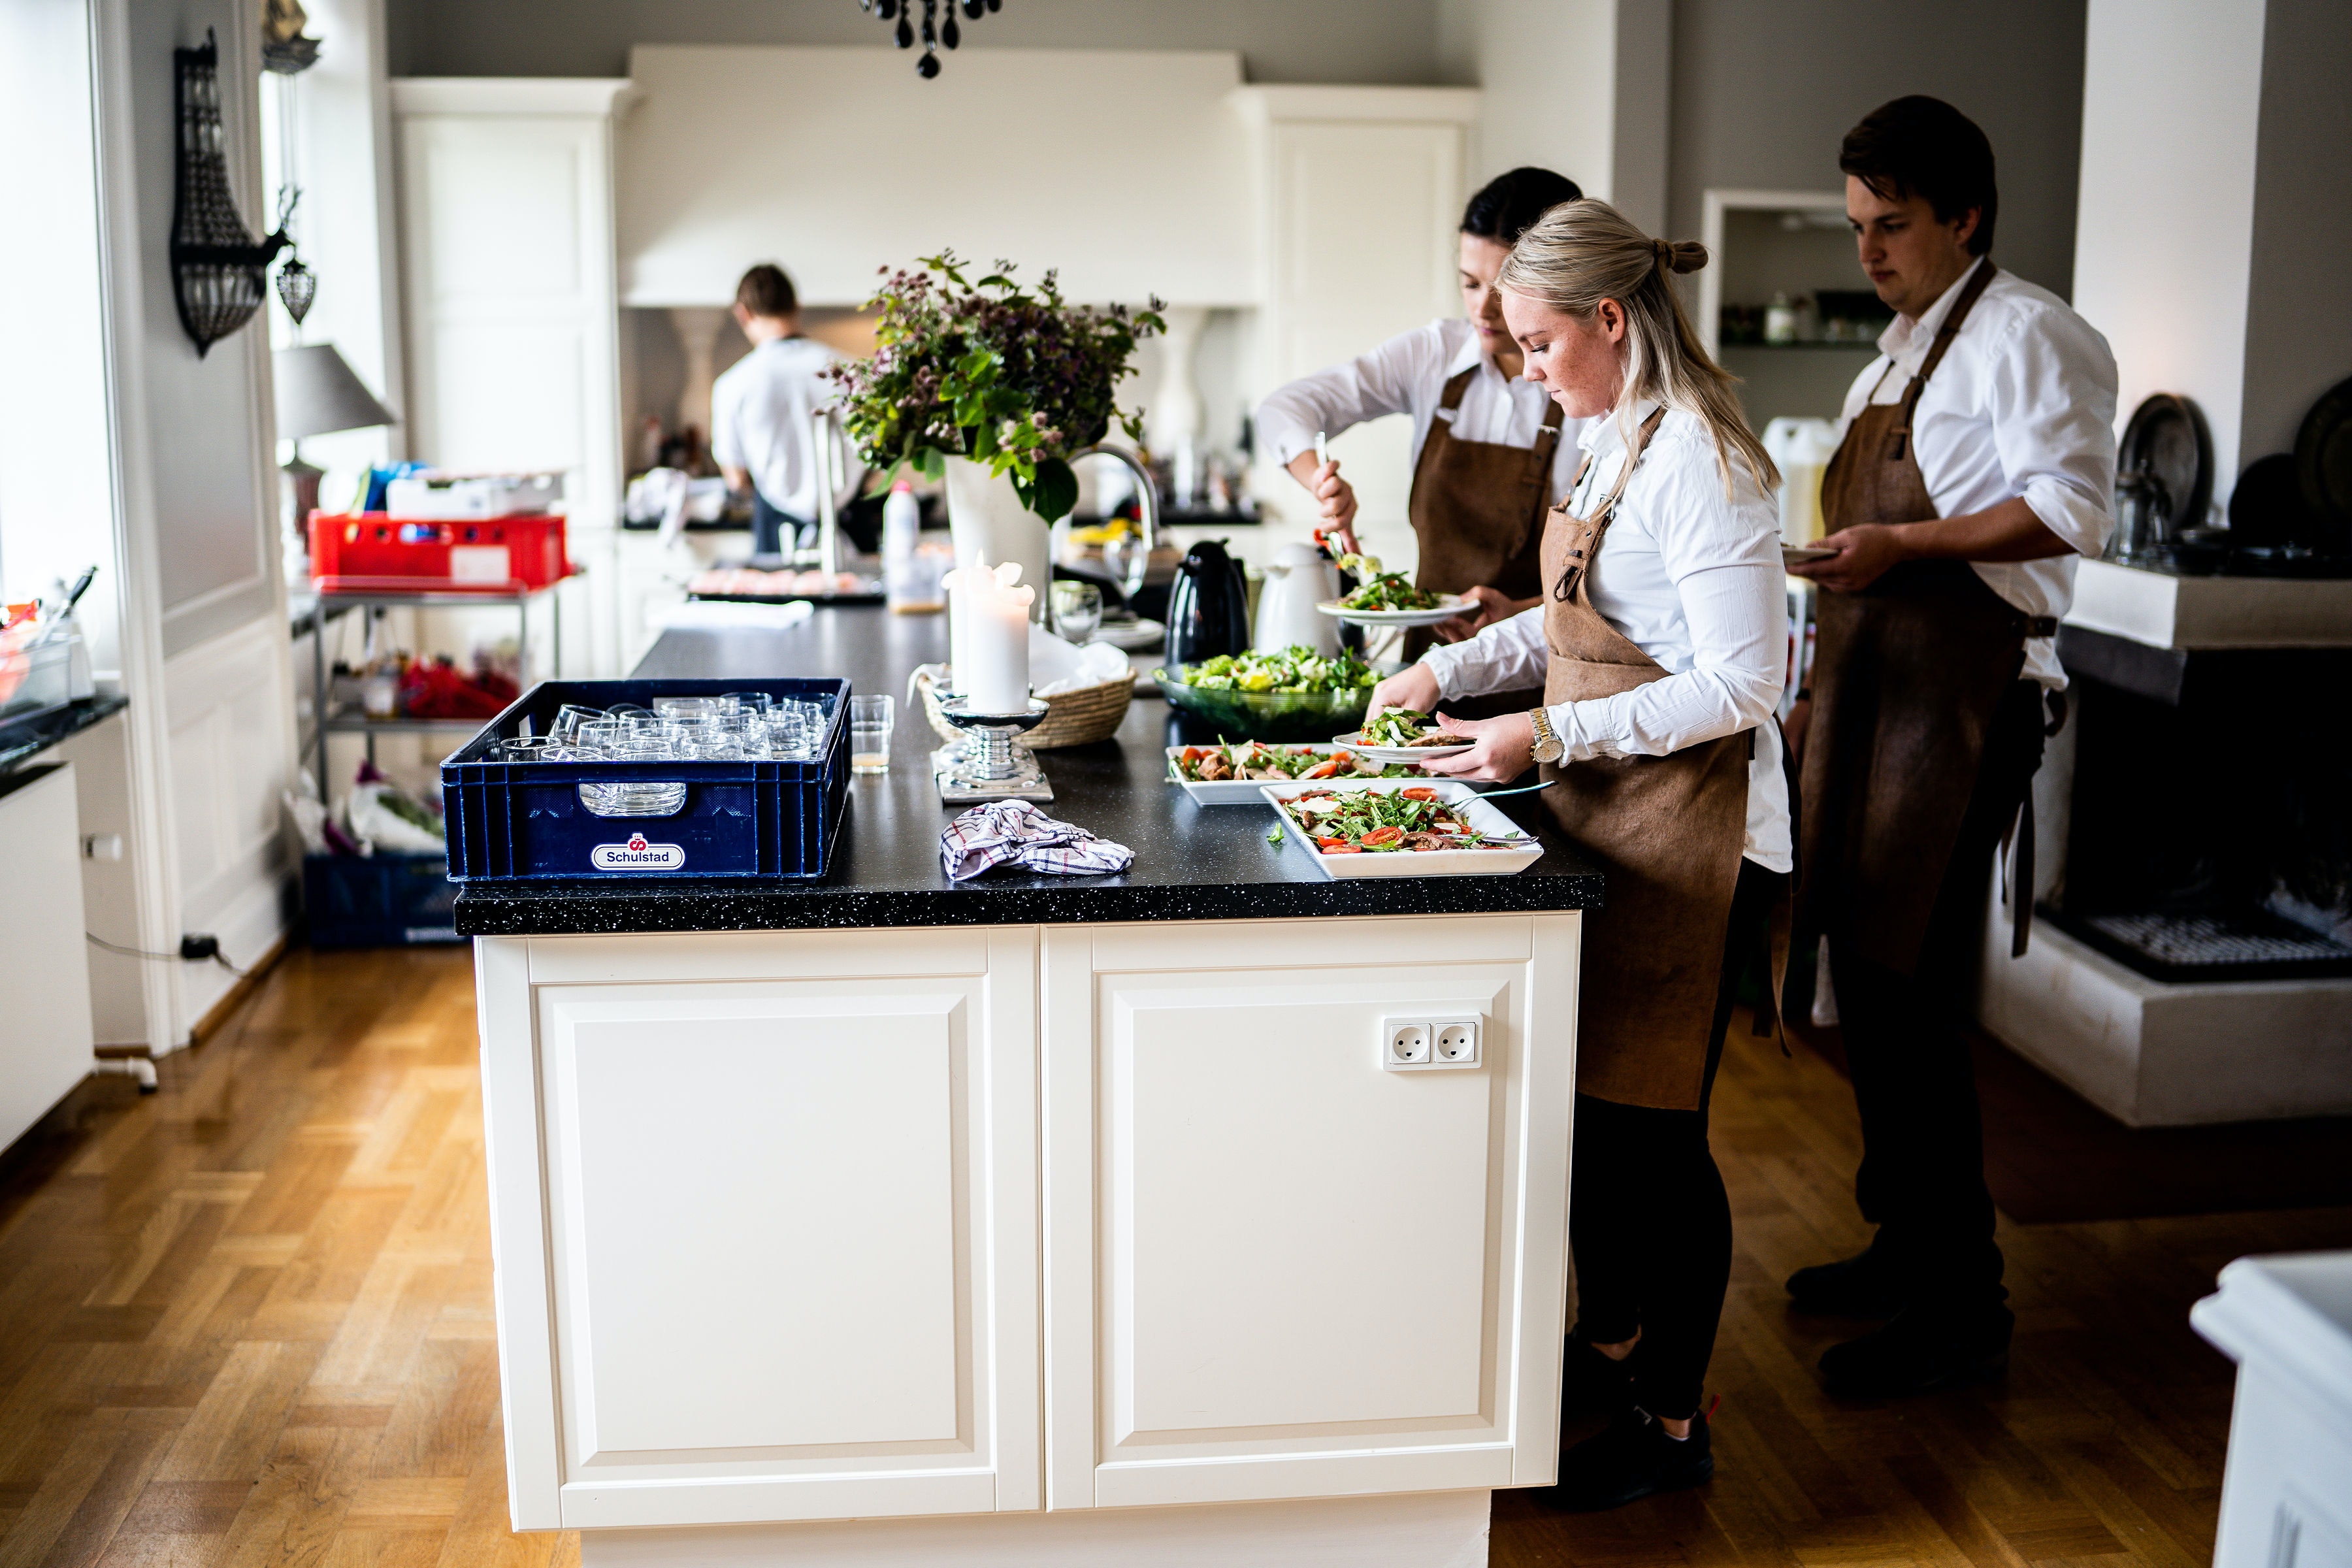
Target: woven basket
<point>1072,718</point>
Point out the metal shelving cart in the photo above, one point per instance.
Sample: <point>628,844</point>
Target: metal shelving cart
<point>349,721</point>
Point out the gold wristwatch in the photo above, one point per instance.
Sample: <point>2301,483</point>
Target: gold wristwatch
<point>1549,747</point>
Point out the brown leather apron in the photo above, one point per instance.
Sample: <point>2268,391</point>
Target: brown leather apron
<point>1668,831</point>
<point>1907,675</point>
<point>1477,508</point>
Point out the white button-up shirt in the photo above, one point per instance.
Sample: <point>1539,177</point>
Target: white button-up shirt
<point>760,408</point>
<point>2023,405</point>
<point>1407,375</point>
<point>1691,576</point>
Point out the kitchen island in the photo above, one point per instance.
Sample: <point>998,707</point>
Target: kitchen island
<point>1093,1213</point>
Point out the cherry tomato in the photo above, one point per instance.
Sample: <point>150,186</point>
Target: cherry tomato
<point>1381,838</point>
<point>1419,793</point>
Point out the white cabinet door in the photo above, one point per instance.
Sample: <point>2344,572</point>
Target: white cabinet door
<point>1275,1268</point>
<point>789,1225</point>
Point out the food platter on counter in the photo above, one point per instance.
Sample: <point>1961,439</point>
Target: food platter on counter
<point>750,585</point>
<point>1260,764</point>
<point>1491,845</point>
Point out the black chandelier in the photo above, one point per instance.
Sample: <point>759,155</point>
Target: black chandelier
<point>217,265</point>
<point>934,32</point>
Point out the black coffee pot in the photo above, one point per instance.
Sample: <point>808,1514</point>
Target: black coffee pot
<point>1208,608</point>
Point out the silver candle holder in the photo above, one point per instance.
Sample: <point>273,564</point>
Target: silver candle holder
<point>989,762</point>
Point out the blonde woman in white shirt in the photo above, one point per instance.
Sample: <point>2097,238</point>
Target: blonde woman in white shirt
<point>1660,645</point>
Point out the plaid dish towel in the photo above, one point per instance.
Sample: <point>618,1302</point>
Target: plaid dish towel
<point>1015,830</point>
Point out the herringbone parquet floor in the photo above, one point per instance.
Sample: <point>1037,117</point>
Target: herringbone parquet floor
<point>247,1320</point>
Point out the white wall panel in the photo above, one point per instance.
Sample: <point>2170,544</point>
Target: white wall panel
<point>1129,170</point>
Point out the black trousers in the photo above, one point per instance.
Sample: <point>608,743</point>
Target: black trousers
<point>1922,1177</point>
<point>1648,1221</point>
<point>775,532</point>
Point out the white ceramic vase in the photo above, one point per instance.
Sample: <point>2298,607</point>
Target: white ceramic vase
<point>988,521</point>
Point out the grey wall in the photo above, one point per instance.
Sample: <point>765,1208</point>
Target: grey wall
<point>1763,94</point>
<point>1384,41</point>
<point>2298,312</point>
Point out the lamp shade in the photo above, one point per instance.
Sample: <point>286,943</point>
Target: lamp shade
<point>318,394</point>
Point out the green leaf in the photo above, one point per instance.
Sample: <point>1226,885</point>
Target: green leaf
<point>932,463</point>
<point>979,440</point>
<point>1055,491</point>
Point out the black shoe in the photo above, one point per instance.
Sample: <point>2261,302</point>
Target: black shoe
<point>1631,1457</point>
<point>1864,1286</point>
<point>1591,1383</point>
<point>1918,1352</point>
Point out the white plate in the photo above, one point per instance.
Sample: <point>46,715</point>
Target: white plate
<point>1448,606</point>
<point>1793,553</point>
<point>1131,637</point>
<point>1354,741</point>
<point>1480,815</point>
<point>1244,791</point>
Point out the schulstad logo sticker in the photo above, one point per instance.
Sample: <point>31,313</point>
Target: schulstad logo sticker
<point>637,855</point>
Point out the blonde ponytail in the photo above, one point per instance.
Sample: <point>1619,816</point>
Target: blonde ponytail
<point>1582,252</point>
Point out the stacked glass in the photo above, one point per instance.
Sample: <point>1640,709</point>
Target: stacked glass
<point>740,726</point>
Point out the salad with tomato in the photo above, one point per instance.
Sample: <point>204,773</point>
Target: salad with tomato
<point>1254,760</point>
<point>1414,820</point>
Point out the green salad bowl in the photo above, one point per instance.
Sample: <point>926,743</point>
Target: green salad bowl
<point>1268,715</point>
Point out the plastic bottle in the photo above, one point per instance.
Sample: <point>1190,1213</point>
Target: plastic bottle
<point>902,525</point>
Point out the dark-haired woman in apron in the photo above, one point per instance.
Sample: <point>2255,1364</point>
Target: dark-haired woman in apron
<point>1491,453</point>
<point>1660,644</point>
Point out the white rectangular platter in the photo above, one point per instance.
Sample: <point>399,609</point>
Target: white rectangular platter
<point>1482,816</point>
<point>1244,791</point>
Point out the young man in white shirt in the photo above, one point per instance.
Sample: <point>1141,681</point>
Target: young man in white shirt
<point>1977,462</point>
<point>761,407</point>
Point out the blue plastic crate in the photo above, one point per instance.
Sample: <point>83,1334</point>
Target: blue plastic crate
<point>524,821</point>
<point>384,900</point>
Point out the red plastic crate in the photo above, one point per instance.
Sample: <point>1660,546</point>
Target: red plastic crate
<point>493,553</point>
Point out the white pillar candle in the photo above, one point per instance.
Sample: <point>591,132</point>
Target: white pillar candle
<point>989,636</point>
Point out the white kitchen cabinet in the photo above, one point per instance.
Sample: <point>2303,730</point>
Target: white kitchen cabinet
<point>1361,191</point>
<point>1276,1268</point>
<point>45,1013</point>
<point>768,1224</point>
<point>2286,1495</point>
<point>511,306</point>
<point>824,1225</point>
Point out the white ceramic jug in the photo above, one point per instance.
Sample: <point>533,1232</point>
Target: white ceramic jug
<point>1297,580</point>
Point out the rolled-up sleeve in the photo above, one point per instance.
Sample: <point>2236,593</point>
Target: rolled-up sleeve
<point>1365,387</point>
<point>2051,403</point>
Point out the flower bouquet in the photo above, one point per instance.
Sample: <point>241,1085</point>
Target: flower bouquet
<point>1016,381</point>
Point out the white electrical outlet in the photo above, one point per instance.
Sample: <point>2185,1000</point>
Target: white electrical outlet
<point>1454,1042</point>
<point>1422,1045</point>
<point>1404,1043</point>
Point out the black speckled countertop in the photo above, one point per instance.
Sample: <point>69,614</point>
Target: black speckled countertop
<point>1191,862</point>
<point>22,738</point>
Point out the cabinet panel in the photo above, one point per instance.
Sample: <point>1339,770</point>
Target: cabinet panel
<point>772,1266</point>
<point>789,1236</point>
<point>1274,1267</point>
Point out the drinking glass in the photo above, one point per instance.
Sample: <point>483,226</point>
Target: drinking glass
<point>748,701</point>
<point>523,749</point>
<point>635,797</point>
<point>1077,611</point>
<point>690,707</point>
<point>788,735</point>
<point>570,717</point>
<point>870,719</point>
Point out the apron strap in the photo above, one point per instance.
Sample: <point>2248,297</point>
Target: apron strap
<point>1936,352</point>
<point>1450,400</point>
<point>1596,526</point>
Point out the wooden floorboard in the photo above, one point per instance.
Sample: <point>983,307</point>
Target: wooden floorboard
<point>247,1320</point>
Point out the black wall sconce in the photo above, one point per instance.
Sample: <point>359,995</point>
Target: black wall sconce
<point>217,265</point>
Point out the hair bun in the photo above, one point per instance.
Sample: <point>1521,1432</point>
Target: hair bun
<point>1679,254</point>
